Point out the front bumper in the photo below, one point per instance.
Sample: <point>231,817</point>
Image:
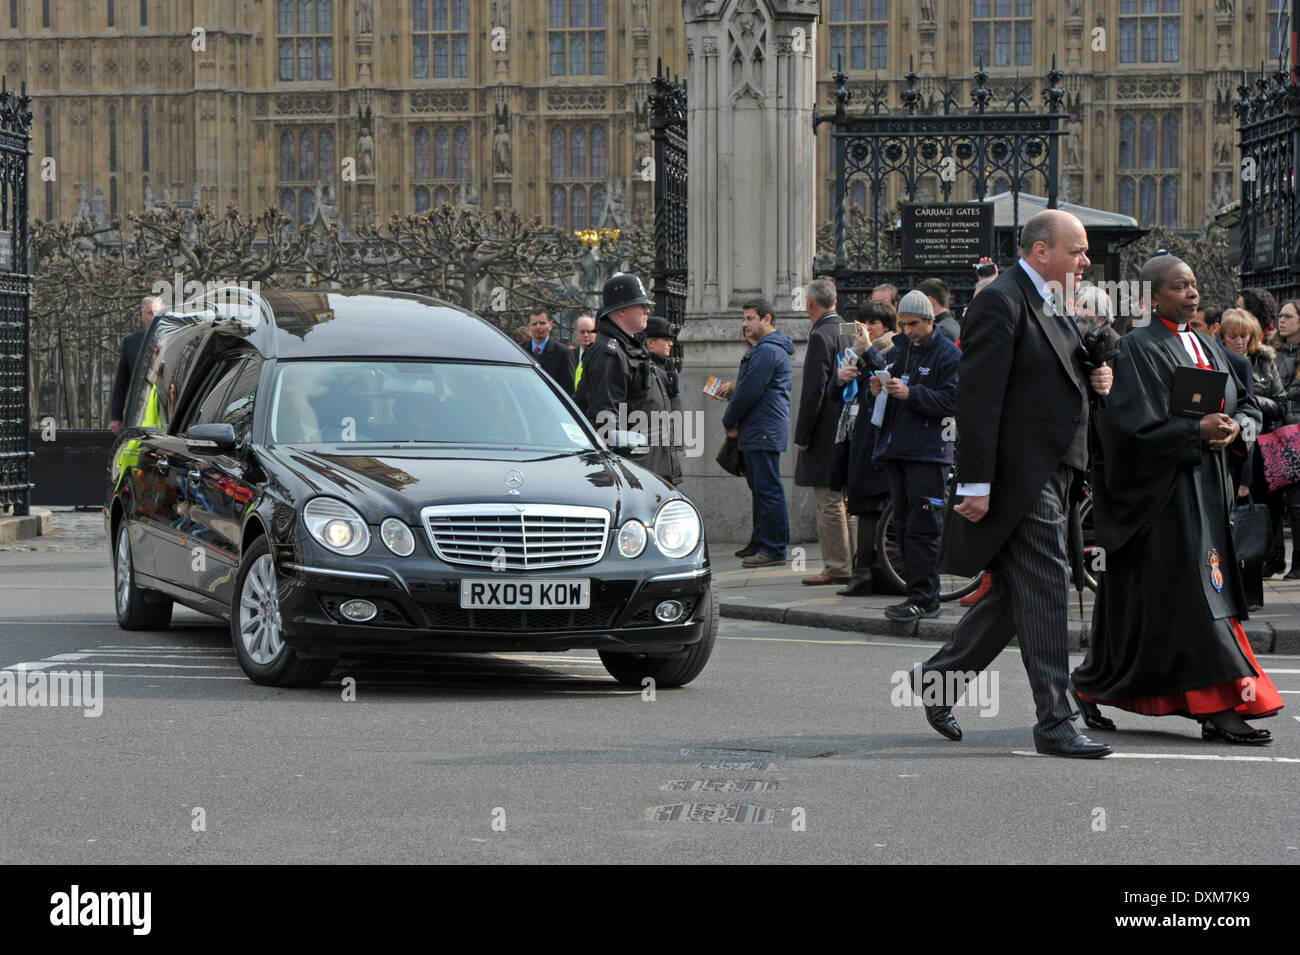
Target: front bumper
<point>419,607</point>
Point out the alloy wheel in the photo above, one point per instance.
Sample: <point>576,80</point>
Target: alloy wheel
<point>122,571</point>
<point>259,613</point>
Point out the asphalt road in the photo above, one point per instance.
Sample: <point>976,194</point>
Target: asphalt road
<point>788,748</point>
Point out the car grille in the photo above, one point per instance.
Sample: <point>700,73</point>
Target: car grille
<point>599,616</point>
<point>517,536</point>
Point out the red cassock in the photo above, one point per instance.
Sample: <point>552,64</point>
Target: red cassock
<point>1250,696</point>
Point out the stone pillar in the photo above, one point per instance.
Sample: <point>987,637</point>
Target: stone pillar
<point>751,87</point>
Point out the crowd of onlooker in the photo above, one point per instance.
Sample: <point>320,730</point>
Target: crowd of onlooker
<point>1267,336</point>
<point>876,409</point>
<point>876,405</point>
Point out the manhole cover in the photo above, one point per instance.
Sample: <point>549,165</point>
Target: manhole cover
<point>710,812</point>
<point>738,765</point>
<point>720,786</point>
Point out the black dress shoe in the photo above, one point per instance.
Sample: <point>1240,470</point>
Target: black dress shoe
<point>1214,733</point>
<point>861,587</point>
<point>940,717</point>
<point>1078,748</point>
<point>749,550</point>
<point>1092,717</point>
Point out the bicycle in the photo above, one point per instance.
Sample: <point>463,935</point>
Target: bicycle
<point>954,586</point>
<point>951,586</point>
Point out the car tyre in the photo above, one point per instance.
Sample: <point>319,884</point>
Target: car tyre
<point>255,626</point>
<point>138,608</point>
<point>632,669</point>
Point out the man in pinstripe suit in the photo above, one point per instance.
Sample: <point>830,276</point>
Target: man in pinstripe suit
<point>1022,440</point>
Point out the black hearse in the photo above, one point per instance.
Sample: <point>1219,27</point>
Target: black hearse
<point>348,473</point>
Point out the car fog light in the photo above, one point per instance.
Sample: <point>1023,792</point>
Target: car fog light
<point>358,611</point>
<point>669,611</point>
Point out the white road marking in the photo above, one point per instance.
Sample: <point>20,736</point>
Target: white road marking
<point>174,676</point>
<point>215,655</point>
<point>1213,756</point>
<point>128,646</point>
<point>855,643</point>
<point>46,664</point>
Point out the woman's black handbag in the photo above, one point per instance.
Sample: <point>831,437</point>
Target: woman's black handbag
<point>1252,532</point>
<point>729,458</point>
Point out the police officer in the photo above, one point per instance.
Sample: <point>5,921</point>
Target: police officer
<point>659,342</point>
<point>617,378</point>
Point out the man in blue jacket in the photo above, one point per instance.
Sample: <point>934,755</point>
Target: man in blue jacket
<point>915,440</point>
<point>759,418</point>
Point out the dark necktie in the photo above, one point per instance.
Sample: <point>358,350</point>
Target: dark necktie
<point>1068,321</point>
<point>537,350</point>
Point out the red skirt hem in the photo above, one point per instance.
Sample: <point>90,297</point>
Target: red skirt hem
<point>1254,697</point>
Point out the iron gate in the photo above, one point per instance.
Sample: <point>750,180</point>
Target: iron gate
<point>15,295</point>
<point>948,144</point>
<point>1269,125</point>
<point>668,130</point>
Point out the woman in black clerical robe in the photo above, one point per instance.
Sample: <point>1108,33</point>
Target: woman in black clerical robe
<point>1167,637</point>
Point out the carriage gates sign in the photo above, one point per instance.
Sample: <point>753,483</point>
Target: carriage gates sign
<point>946,234</point>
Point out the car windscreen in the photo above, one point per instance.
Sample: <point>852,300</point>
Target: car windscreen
<point>450,403</point>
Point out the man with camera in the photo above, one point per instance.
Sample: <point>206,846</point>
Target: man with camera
<point>915,439</point>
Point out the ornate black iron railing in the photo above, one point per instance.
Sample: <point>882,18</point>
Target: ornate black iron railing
<point>949,145</point>
<point>15,297</point>
<point>1268,113</point>
<point>668,131</point>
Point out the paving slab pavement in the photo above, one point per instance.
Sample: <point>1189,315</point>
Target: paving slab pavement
<point>775,594</point>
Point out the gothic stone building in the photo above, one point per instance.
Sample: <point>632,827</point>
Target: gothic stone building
<point>359,109</point>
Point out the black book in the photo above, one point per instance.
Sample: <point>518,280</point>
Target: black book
<point>1197,391</point>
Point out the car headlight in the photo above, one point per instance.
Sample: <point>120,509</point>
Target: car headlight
<point>397,537</point>
<point>631,539</point>
<point>336,526</point>
<point>677,529</point>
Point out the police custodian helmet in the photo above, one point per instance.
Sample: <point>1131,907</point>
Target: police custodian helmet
<point>656,327</point>
<point>621,291</point>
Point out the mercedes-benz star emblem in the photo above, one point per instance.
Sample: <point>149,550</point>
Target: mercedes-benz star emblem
<point>514,479</point>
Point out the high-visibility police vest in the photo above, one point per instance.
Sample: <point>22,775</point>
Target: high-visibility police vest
<point>129,456</point>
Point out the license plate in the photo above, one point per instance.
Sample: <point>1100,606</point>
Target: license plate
<point>530,594</point>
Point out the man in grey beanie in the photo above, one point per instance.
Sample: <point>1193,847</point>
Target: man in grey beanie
<point>915,440</point>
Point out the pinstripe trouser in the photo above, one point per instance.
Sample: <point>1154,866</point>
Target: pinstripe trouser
<point>1029,598</point>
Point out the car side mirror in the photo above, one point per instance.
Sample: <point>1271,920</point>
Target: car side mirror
<point>628,443</point>
<point>218,438</point>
